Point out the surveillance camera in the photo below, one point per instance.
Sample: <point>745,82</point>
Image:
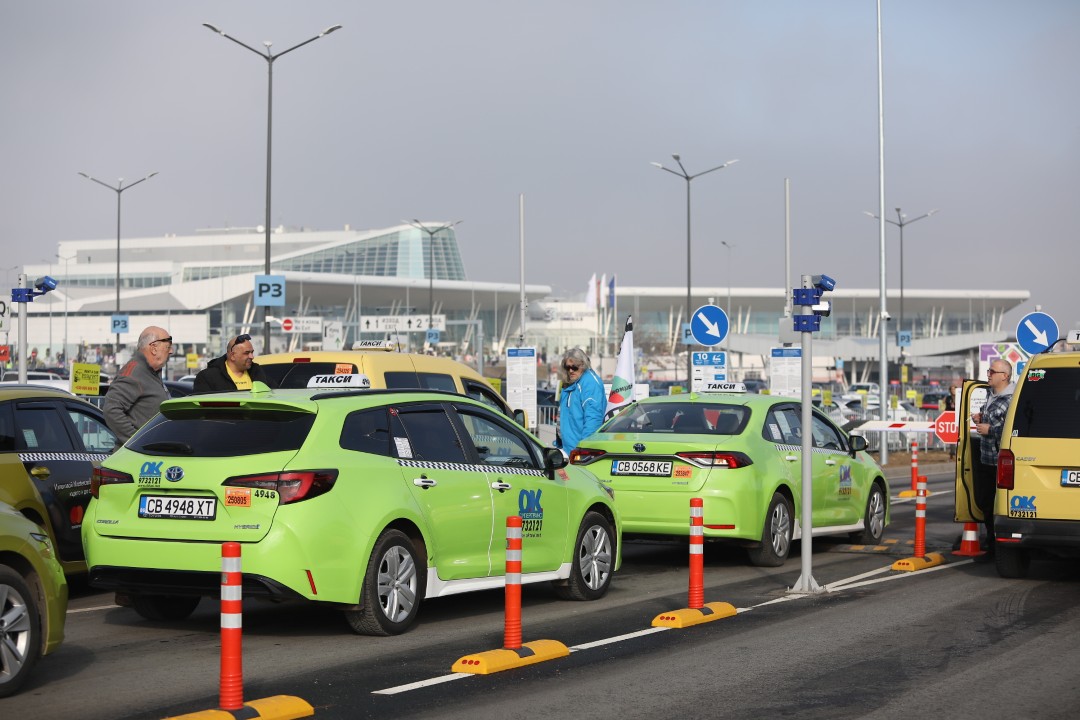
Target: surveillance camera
<point>824,283</point>
<point>886,316</point>
<point>45,284</point>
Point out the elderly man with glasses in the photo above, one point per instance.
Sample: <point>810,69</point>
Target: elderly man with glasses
<point>581,401</point>
<point>137,391</point>
<point>235,370</point>
<point>989,424</point>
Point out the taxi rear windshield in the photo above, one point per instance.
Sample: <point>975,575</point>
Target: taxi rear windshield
<point>296,375</point>
<point>223,433</point>
<point>696,418</point>
<point>1047,405</point>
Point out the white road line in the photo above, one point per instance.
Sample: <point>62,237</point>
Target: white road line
<point>422,683</point>
<point>617,638</point>
<point>91,609</point>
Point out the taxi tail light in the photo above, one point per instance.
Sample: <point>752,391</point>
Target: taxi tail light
<point>104,476</point>
<point>584,456</point>
<point>729,460</point>
<point>292,486</point>
<point>1006,466</point>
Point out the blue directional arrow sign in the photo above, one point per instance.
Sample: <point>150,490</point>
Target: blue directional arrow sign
<point>709,325</point>
<point>1036,331</point>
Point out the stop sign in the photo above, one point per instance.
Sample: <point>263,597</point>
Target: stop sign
<point>945,427</point>
<point>286,324</point>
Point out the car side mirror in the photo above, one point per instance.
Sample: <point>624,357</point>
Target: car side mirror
<point>553,460</point>
<point>521,418</point>
<point>858,444</point>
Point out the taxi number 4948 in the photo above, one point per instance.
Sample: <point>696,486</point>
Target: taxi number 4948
<point>184,508</point>
<point>653,468</point>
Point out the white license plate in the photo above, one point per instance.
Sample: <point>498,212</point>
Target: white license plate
<point>1070,478</point>
<point>176,507</point>
<point>652,468</point>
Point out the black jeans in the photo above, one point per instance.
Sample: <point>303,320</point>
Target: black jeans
<point>985,489</point>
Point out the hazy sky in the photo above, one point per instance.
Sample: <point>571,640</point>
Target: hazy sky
<point>449,110</point>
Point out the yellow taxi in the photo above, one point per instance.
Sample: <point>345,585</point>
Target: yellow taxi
<point>1037,502</point>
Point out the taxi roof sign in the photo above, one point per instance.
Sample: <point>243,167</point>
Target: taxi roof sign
<point>722,387</point>
<point>387,345</point>
<point>340,380</point>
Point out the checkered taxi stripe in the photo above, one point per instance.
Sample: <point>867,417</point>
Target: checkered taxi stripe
<point>56,456</point>
<point>467,467</point>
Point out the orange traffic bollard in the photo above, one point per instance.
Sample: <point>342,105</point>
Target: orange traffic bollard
<point>914,465</point>
<point>920,517</point>
<point>512,622</point>
<point>232,660</point>
<point>696,599</point>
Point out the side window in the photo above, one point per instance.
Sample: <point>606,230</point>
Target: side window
<point>485,395</point>
<point>40,429</point>
<point>367,431</point>
<point>426,434</point>
<point>401,379</point>
<point>825,435</point>
<point>7,429</point>
<point>94,435</point>
<point>784,426</point>
<point>497,444</point>
<point>436,381</point>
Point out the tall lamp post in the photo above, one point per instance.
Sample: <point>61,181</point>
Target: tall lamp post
<point>67,293</point>
<point>681,172</point>
<point>431,261</point>
<point>727,342</point>
<point>269,58</point>
<point>119,190</point>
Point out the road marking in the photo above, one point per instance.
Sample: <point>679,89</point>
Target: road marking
<point>617,638</point>
<point>91,609</point>
<point>422,683</point>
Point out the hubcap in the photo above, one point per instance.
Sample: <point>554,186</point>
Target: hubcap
<point>594,557</point>
<point>780,529</point>
<point>14,632</point>
<point>397,584</point>
<point>876,513</point>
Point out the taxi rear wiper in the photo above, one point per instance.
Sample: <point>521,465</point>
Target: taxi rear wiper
<point>169,446</point>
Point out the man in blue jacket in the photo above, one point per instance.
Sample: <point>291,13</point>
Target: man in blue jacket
<point>582,402</point>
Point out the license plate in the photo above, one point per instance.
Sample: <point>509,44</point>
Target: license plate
<point>651,468</point>
<point>176,507</point>
<point>1070,478</point>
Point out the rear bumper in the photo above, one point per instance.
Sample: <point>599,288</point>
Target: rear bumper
<point>1036,533</point>
<point>183,582</point>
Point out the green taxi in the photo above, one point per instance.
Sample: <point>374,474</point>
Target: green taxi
<point>367,500</point>
<point>742,454</point>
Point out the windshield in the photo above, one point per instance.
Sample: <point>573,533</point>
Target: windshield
<point>223,433</point>
<point>687,417</point>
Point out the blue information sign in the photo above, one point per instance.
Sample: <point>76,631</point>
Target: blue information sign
<point>903,338</point>
<point>432,336</point>
<point>1036,331</point>
<point>119,324</point>
<point>270,290</point>
<point>709,325</point>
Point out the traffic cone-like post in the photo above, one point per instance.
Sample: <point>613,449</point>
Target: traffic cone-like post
<point>914,466</point>
<point>698,611</point>
<point>969,543</point>
<point>232,657</point>
<point>921,560</point>
<point>514,653</point>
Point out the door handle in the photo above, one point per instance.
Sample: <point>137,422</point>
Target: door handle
<point>500,486</point>
<point>424,482</point>
<point>791,458</point>
<point>41,472</point>
<point>830,462</point>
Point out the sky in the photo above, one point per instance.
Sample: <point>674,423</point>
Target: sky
<point>449,111</point>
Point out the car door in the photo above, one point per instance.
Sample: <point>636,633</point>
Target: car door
<point>972,398</point>
<point>518,486</point>
<point>783,427</point>
<point>449,487</point>
<point>835,499</point>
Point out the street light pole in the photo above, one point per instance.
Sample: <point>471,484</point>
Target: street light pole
<point>431,261</point>
<point>727,343</point>
<point>119,190</point>
<point>901,222</point>
<point>688,177</point>
<point>67,293</point>
<point>269,58</point>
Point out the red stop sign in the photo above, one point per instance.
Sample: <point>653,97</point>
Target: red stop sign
<point>286,324</point>
<point>945,427</point>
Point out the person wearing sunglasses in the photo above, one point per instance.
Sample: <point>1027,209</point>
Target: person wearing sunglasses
<point>581,401</point>
<point>989,424</point>
<point>235,370</point>
<point>137,391</point>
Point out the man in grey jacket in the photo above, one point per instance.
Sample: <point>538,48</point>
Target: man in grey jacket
<point>137,392</point>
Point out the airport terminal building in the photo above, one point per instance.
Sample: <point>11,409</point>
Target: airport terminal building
<point>366,284</point>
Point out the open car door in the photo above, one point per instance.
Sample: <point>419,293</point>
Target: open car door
<point>972,398</point>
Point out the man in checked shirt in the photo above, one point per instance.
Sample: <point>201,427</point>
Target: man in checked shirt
<point>988,424</point>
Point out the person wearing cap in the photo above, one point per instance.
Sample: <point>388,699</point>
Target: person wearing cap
<point>137,392</point>
<point>582,400</point>
<point>235,370</point>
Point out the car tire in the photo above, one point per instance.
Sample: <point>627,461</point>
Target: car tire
<point>873,518</point>
<point>1011,562</point>
<point>775,535</point>
<point>593,563</point>
<point>20,631</point>
<point>165,607</point>
<point>393,587</point>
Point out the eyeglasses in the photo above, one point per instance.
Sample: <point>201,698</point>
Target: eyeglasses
<point>994,372</point>
<point>167,341</point>
<point>571,368</point>
<point>239,339</point>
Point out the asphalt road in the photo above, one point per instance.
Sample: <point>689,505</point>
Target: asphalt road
<point>955,641</point>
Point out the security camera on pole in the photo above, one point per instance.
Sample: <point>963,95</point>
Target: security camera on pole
<point>23,294</point>
<point>808,322</point>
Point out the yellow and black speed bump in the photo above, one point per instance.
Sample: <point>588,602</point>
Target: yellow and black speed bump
<point>687,617</point>
<point>492,661</point>
<point>912,564</point>
<point>278,707</point>
<point>887,547</point>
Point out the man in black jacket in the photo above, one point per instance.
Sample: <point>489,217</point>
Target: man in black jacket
<point>235,370</point>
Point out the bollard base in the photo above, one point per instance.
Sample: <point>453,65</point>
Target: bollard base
<point>687,617</point>
<point>913,564</point>
<point>278,707</point>
<point>492,661</point>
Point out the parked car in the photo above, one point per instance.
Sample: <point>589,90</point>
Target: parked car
<point>50,443</point>
<point>361,499</point>
<point>741,455</point>
<point>33,598</point>
<point>857,391</point>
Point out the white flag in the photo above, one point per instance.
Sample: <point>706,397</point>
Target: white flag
<point>622,385</point>
<point>590,294</point>
<point>602,290</point>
